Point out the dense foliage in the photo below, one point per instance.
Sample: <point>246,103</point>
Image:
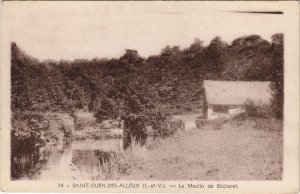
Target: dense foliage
<point>141,91</point>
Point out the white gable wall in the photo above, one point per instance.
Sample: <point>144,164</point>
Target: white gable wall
<point>227,98</point>
<point>236,111</point>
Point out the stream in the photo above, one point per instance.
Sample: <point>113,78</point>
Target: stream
<point>66,161</point>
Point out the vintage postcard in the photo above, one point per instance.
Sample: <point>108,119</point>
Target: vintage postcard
<point>151,96</point>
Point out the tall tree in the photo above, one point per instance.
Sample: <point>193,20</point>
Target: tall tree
<point>131,57</point>
<point>214,57</point>
<point>132,100</point>
<point>277,75</point>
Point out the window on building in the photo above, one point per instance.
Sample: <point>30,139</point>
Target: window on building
<point>220,108</point>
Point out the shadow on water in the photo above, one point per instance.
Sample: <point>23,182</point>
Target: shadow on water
<point>65,160</point>
<point>29,161</point>
<point>25,164</point>
<point>57,162</point>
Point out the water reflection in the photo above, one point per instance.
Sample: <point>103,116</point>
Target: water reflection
<point>27,164</point>
<point>84,159</point>
<point>63,162</point>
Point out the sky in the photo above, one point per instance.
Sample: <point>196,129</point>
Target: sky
<point>69,31</point>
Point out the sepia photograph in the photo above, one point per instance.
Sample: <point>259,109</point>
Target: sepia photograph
<point>161,91</point>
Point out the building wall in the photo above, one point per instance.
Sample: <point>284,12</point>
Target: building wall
<point>236,111</point>
<point>232,111</point>
<point>204,107</point>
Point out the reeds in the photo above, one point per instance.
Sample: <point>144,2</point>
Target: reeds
<point>111,168</point>
<point>116,165</point>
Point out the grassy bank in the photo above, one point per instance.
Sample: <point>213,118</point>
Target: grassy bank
<point>236,149</point>
<point>226,150</point>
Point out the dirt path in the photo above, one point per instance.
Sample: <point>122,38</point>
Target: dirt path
<point>231,153</point>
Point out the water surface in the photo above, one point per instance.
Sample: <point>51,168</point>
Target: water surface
<point>68,161</point>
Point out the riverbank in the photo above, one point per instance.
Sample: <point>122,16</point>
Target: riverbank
<point>31,129</point>
<point>235,150</point>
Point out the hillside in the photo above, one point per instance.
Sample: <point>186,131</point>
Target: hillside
<point>173,77</point>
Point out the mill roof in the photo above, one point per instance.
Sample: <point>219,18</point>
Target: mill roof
<point>236,92</point>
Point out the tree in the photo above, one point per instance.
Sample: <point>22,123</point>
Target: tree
<point>196,46</point>
<point>276,75</point>
<point>131,57</point>
<point>168,50</point>
<point>106,110</point>
<point>214,57</point>
<point>135,104</point>
<point>20,70</point>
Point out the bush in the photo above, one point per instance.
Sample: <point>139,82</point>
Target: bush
<point>169,128</point>
<point>27,130</point>
<point>259,110</point>
<point>188,109</point>
<point>269,124</point>
<point>215,124</point>
<point>33,129</point>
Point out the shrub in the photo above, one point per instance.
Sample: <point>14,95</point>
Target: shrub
<point>169,128</point>
<point>27,129</point>
<point>188,109</point>
<point>269,124</point>
<point>32,129</point>
<point>259,110</point>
